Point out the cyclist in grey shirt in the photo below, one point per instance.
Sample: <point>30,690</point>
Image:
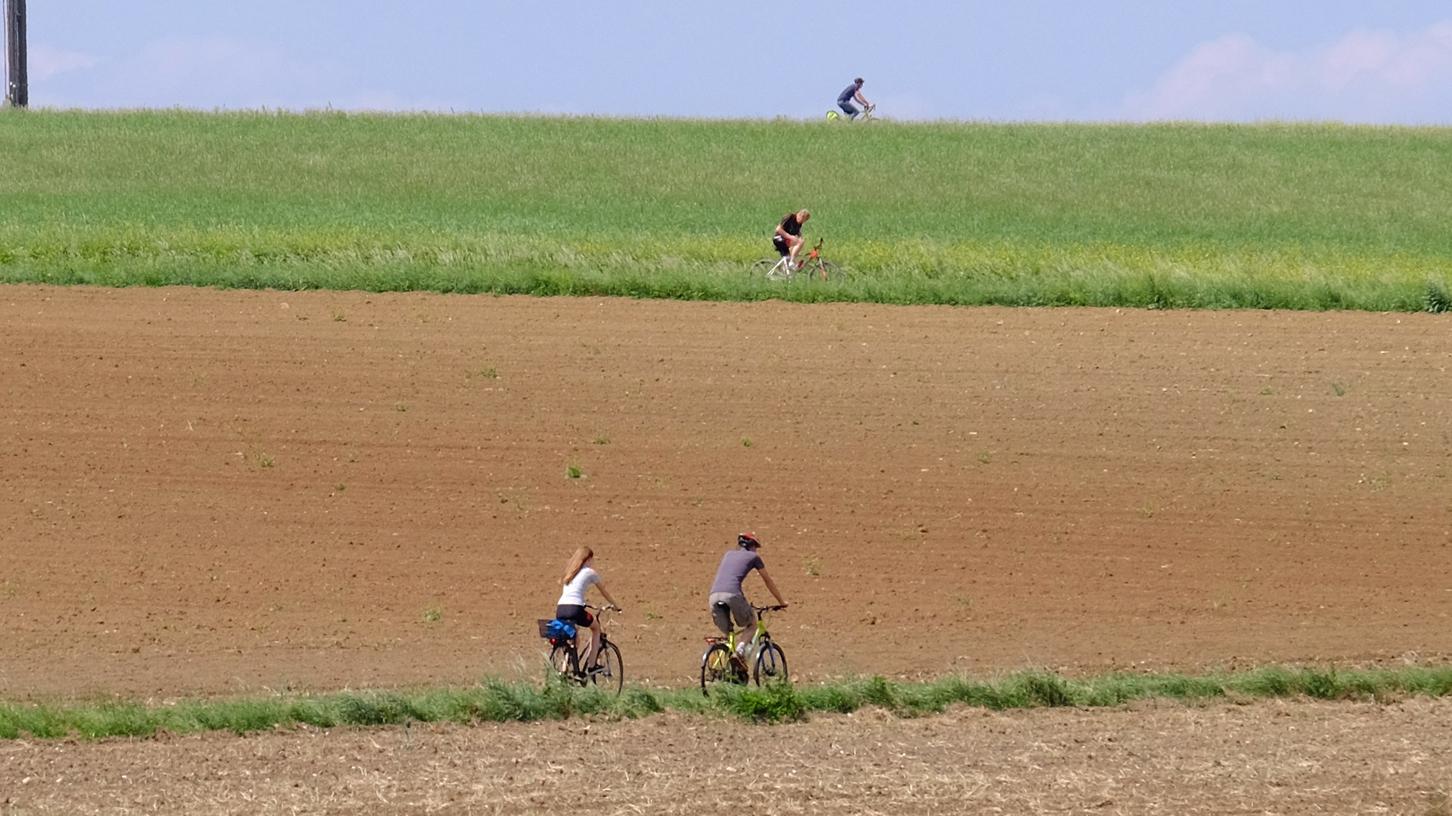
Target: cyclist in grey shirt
<point>727,600</point>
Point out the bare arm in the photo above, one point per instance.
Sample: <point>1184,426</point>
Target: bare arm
<point>603,591</point>
<point>771,585</point>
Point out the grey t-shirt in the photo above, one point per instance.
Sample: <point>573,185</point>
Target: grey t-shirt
<point>735,566</point>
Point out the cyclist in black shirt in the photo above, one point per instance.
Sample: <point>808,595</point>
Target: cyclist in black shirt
<point>850,93</point>
<point>788,237</point>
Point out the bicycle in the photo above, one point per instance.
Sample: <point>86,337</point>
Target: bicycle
<point>722,665</point>
<point>866,115</point>
<point>814,266</point>
<point>565,657</point>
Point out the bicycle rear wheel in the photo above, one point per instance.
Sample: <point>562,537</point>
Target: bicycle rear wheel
<point>771,665</point>
<point>779,270</point>
<point>719,669</point>
<point>611,676</point>
<point>563,662</point>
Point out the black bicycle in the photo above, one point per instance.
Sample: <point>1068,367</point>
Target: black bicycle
<point>565,657</point>
<point>722,665</point>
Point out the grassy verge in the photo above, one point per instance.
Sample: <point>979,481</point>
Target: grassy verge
<point>1161,216</point>
<point>495,701</point>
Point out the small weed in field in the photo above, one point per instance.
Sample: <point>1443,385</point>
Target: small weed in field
<point>602,440</point>
<point>651,615</point>
<point>339,316</point>
<point>1338,389</point>
<point>265,460</point>
<point>984,457</point>
<point>745,441</point>
<point>1266,392</point>
<point>401,407</point>
<point>1147,510</point>
<point>812,566</point>
<point>433,614</point>
<point>574,472</point>
<point>339,487</point>
<point>1376,483</point>
<point>1437,299</point>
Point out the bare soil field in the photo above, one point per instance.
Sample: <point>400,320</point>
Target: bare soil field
<point>1268,758</point>
<point>215,492</point>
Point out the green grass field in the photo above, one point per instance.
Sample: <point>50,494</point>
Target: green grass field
<point>1303,217</point>
<point>495,701</point>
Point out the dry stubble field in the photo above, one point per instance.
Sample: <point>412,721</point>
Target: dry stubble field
<point>217,492</point>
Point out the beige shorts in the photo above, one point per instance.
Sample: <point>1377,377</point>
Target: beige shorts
<point>740,609</point>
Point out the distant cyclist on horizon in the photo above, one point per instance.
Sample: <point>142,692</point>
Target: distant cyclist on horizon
<point>850,93</point>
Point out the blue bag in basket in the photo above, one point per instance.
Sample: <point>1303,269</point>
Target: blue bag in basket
<point>560,630</point>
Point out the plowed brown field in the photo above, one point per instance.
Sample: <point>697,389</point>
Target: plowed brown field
<point>211,491</point>
<point>1270,758</point>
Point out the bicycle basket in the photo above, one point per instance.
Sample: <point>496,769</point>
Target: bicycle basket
<point>556,629</point>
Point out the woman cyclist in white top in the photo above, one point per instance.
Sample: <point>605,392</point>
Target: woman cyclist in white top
<point>579,575</point>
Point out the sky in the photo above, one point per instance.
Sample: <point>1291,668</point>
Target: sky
<point>1365,61</point>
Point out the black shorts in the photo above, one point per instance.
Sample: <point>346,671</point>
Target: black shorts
<point>781,245</point>
<point>575,614</point>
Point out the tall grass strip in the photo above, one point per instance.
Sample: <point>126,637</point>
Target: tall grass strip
<point>498,701</point>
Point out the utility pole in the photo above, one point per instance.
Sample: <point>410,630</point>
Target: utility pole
<point>17,86</point>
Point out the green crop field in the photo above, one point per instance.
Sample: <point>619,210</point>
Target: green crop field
<point>1165,216</point>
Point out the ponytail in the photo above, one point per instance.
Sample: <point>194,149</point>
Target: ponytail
<point>577,563</point>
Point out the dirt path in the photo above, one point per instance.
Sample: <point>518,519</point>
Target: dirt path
<point>1276,758</point>
<point>211,491</point>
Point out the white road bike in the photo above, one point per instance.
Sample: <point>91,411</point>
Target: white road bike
<point>811,267</point>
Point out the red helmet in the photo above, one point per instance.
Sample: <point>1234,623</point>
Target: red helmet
<point>747,541</point>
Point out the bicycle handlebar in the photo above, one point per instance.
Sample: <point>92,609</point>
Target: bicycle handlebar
<point>776,608</point>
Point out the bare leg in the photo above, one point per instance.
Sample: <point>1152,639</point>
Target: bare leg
<point>594,644</point>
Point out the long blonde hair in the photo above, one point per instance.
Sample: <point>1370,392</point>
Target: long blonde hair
<point>577,563</point>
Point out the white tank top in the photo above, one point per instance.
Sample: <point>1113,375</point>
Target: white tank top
<point>574,593</point>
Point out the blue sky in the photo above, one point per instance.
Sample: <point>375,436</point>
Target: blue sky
<point>1376,61</point>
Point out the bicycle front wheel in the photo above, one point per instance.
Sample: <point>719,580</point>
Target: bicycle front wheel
<point>611,676</point>
<point>771,665</point>
<point>831,271</point>
<point>718,668</point>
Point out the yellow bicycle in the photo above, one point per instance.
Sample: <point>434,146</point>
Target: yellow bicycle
<point>722,665</point>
